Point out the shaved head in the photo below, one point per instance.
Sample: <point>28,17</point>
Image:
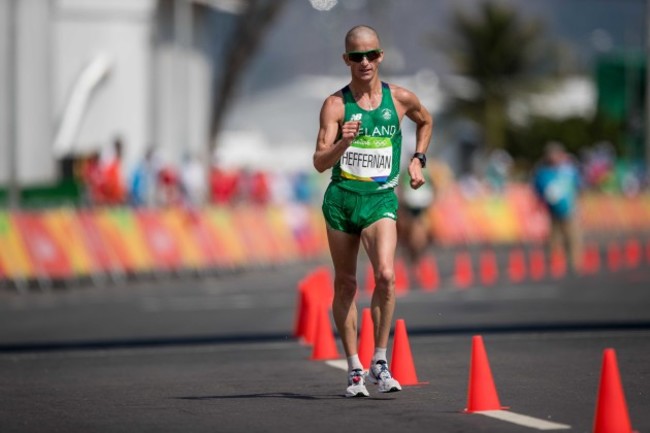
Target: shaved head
<point>358,33</point>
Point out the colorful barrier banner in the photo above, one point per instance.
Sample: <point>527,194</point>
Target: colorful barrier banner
<point>529,212</point>
<point>284,241</point>
<point>120,228</point>
<point>97,245</point>
<point>219,221</point>
<point>63,225</point>
<point>314,233</point>
<point>48,255</point>
<point>511,217</point>
<point>68,243</point>
<point>248,223</point>
<point>161,243</point>
<point>195,246</point>
<point>14,258</point>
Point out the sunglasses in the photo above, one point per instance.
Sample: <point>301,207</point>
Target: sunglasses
<point>357,56</point>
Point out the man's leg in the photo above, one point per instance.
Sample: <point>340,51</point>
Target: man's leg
<point>574,243</point>
<point>344,248</point>
<point>556,237</point>
<point>379,241</point>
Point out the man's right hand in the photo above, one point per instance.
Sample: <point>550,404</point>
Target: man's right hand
<point>349,132</point>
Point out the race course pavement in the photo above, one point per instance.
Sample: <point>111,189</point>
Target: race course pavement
<point>216,355</point>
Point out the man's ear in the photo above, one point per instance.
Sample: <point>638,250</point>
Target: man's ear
<point>345,59</point>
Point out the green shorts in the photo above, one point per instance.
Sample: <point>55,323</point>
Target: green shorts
<point>350,211</point>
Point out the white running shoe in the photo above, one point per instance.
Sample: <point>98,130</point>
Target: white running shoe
<point>356,385</point>
<point>380,375</point>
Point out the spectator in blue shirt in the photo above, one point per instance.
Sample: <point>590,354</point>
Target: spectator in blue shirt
<point>557,182</point>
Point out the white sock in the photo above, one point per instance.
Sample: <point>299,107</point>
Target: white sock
<point>354,363</point>
<point>380,355</point>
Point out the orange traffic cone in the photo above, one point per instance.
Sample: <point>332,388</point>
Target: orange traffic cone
<point>314,290</point>
<point>537,264</point>
<point>591,262</point>
<point>366,339</point>
<point>517,266</point>
<point>488,268</point>
<point>632,253</point>
<point>611,409</point>
<point>401,363</point>
<point>427,274</point>
<point>301,312</point>
<point>324,344</point>
<point>463,276</point>
<point>401,278</point>
<point>324,285</point>
<point>312,306</point>
<point>613,256</point>
<point>558,263</point>
<point>482,394</point>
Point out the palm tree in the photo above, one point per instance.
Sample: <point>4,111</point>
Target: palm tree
<point>500,51</point>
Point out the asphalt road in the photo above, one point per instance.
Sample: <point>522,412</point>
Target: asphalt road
<point>215,354</point>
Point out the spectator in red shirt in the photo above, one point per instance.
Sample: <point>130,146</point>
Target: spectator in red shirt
<point>224,185</point>
<point>260,191</point>
<point>113,191</point>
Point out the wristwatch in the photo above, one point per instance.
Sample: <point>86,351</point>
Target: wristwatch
<point>422,157</point>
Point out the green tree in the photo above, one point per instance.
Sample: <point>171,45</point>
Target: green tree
<point>527,142</point>
<point>502,53</point>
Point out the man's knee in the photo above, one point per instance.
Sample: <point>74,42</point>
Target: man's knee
<point>385,278</point>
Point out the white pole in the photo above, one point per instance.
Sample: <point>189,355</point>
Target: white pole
<point>13,186</point>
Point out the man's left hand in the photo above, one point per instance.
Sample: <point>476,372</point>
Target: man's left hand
<point>415,171</point>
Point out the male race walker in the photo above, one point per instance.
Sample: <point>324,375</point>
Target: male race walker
<point>360,140</point>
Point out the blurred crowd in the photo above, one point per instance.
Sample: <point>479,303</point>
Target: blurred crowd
<point>191,182</point>
<point>603,171</point>
<point>599,169</point>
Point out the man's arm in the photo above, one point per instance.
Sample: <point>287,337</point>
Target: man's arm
<point>415,111</point>
<point>328,150</point>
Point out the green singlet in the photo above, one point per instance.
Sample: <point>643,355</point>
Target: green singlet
<point>371,163</point>
<point>361,190</point>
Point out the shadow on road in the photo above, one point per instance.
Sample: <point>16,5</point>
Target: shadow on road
<point>287,395</point>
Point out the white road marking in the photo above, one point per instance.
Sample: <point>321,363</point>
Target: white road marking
<point>524,420</point>
<point>341,364</point>
<point>503,415</point>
